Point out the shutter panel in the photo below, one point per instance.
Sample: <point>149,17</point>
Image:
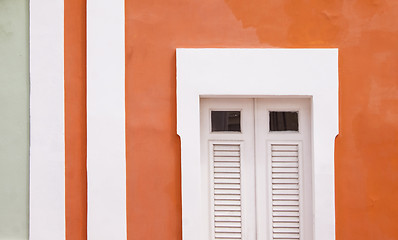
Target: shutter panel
<point>227,208</point>
<point>285,191</point>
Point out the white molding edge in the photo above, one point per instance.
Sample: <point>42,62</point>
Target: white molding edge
<point>259,73</point>
<point>47,140</point>
<point>106,146</point>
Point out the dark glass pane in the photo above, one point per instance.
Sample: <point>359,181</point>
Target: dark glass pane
<point>225,121</point>
<point>283,121</point>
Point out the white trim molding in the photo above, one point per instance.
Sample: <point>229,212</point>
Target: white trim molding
<point>256,73</point>
<point>47,138</point>
<point>106,145</point>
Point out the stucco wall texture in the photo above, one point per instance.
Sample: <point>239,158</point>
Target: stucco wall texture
<point>366,162</point>
<point>75,119</point>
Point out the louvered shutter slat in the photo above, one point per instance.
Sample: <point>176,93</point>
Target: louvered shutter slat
<point>226,180</point>
<point>227,192</point>
<point>285,191</point>
<point>223,153</point>
<point>281,154</point>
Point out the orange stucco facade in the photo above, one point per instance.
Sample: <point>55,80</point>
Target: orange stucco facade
<point>366,160</point>
<point>75,120</point>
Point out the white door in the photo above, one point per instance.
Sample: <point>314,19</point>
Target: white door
<point>256,168</point>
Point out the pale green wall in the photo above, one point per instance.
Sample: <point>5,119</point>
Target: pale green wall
<point>14,119</point>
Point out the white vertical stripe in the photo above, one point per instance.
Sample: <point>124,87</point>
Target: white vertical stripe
<point>47,144</point>
<point>106,157</point>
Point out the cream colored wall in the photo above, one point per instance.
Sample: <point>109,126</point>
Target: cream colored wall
<point>14,119</point>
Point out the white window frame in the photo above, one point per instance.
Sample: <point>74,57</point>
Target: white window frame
<point>258,73</point>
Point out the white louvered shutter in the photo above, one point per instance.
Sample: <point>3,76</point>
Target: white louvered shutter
<point>226,192</point>
<point>285,191</point>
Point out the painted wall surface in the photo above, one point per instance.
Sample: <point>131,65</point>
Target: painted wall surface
<point>75,119</point>
<point>14,119</point>
<point>366,163</point>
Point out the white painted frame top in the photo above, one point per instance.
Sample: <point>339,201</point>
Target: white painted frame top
<point>259,73</point>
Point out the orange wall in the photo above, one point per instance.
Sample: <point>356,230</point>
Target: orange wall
<point>366,164</point>
<point>75,120</point>
<point>366,33</point>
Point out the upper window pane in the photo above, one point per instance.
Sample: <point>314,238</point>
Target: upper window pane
<point>283,121</point>
<point>225,121</point>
